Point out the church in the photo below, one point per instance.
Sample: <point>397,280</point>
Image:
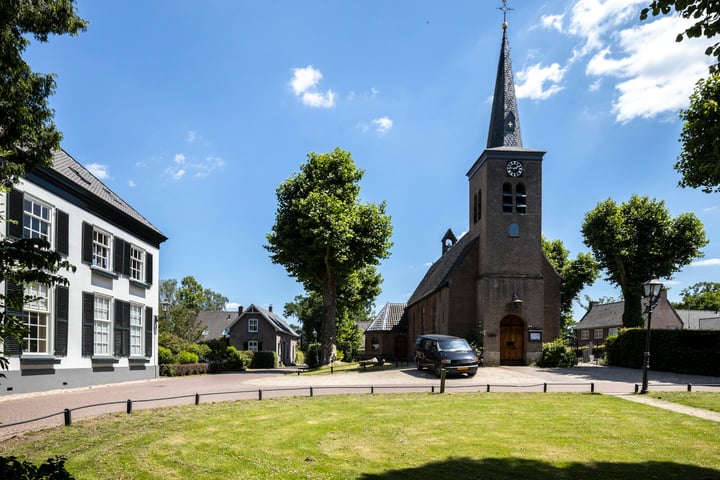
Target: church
<point>494,286</point>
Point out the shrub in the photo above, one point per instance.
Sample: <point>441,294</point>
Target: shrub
<point>172,342</point>
<point>199,349</point>
<point>187,357</point>
<point>53,469</point>
<point>236,360</point>
<point>312,357</point>
<point>299,358</point>
<point>178,369</point>
<point>264,360</point>
<point>165,356</point>
<point>557,354</point>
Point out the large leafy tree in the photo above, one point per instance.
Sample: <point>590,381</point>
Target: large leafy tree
<point>184,302</point>
<point>323,233</point>
<point>27,138</point>
<point>575,275</point>
<point>699,159</point>
<point>637,239</point>
<point>700,296</point>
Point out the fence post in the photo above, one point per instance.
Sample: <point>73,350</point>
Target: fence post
<point>311,391</point>
<point>259,394</point>
<point>129,406</point>
<point>442,380</point>
<point>689,387</point>
<point>68,417</point>
<point>197,399</point>
<point>331,369</point>
<point>544,387</point>
<point>488,388</point>
<point>372,389</point>
<point>592,388</point>
<point>636,388</point>
<point>432,388</point>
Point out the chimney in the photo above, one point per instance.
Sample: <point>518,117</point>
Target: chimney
<point>240,309</point>
<point>270,308</point>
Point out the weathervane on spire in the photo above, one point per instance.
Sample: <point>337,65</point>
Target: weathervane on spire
<point>505,9</point>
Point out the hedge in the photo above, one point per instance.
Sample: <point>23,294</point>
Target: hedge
<point>695,352</point>
<point>264,360</point>
<point>179,369</point>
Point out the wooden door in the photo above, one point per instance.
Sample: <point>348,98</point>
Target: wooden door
<point>512,341</point>
<point>401,348</point>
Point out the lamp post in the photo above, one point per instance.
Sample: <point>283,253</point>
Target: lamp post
<point>652,289</point>
<point>317,354</point>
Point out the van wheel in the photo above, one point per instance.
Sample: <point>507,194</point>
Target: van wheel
<point>437,371</point>
<point>419,365</point>
<point>472,374</point>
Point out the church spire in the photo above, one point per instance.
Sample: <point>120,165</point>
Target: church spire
<point>504,118</point>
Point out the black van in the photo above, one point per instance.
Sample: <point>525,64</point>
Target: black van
<point>445,352</point>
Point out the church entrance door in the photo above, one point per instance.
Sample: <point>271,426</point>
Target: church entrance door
<point>512,341</point>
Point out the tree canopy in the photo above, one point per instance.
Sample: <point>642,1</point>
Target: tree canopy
<point>700,296</point>
<point>575,275</point>
<point>323,233</point>
<point>185,302</point>
<point>637,239</point>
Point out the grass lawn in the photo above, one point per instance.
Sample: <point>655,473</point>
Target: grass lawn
<point>388,436</point>
<point>706,400</point>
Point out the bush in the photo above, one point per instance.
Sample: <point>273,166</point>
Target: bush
<point>264,360</point>
<point>199,349</point>
<point>312,357</point>
<point>187,357</point>
<point>299,357</point>
<point>178,369</point>
<point>236,360</point>
<point>53,469</point>
<point>557,354</point>
<point>165,356</point>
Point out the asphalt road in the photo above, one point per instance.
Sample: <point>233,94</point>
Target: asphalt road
<point>266,384</point>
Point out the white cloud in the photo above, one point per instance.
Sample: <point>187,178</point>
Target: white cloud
<point>553,21</point>
<point>132,184</point>
<point>191,136</point>
<point>175,173</point>
<point>208,165</point>
<point>183,166</point>
<point>100,171</point>
<point>709,262</point>
<point>593,19</point>
<point>304,84</point>
<point>179,158</point>
<point>533,79</point>
<point>383,124</point>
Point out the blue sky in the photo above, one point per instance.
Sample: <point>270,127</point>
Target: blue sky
<point>194,112</point>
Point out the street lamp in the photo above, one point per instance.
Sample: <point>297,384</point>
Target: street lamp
<point>652,291</point>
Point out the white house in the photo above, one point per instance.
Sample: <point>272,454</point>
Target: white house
<point>102,327</point>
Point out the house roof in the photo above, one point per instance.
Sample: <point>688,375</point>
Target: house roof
<point>439,272</point>
<point>273,318</point>
<point>602,315</point>
<point>390,318</point>
<point>70,180</point>
<point>216,324</point>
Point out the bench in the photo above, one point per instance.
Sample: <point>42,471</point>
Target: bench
<point>372,362</point>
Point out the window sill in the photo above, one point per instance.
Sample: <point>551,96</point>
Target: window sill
<point>139,284</point>
<point>103,272</point>
<point>33,361</point>
<point>104,360</point>
<point>138,360</point>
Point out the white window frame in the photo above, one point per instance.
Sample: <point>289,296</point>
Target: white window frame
<point>102,326</point>
<point>37,219</point>
<point>137,263</point>
<point>253,325</point>
<point>613,331</point>
<point>101,249</point>
<point>253,345</point>
<point>599,334</point>
<point>136,330</point>
<point>584,334</point>
<point>36,317</point>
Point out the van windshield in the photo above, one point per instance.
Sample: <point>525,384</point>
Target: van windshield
<point>454,345</point>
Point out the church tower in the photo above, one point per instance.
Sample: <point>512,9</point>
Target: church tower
<point>494,284</point>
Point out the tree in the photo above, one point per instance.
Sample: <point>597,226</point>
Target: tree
<point>27,131</point>
<point>185,302</point>
<point>574,274</point>
<point>323,233</point>
<point>700,296</point>
<point>699,161</point>
<point>638,239</point>
<point>707,13</point>
<point>27,138</point>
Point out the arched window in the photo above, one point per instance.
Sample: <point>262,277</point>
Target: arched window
<point>507,198</point>
<point>520,199</point>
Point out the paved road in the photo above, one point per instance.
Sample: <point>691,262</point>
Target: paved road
<point>268,384</point>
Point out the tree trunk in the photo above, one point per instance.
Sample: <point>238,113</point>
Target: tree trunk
<point>632,312</point>
<point>328,328</point>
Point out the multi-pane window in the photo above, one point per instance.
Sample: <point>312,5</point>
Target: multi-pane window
<point>507,204</point>
<point>253,345</point>
<point>598,334</point>
<point>514,198</point>
<point>136,330</point>
<point>584,334</point>
<point>520,199</point>
<point>101,249</point>
<point>137,264</point>
<point>613,331</point>
<point>252,325</point>
<point>35,317</point>
<point>36,220</point>
<point>101,343</point>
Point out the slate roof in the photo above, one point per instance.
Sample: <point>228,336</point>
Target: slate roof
<point>438,275</point>
<point>69,179</point>
<point>602,315</point>
<point>504,128</point>
<point>216,324</point>
<point>391,318</point>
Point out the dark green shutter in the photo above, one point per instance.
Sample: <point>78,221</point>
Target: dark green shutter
<point>121,256</point>
<point>15,213</point>
<point>121,330</point>
<point>13,298</point>
<point>88,324</point>
<point>62,236</point>
<point>62,313</point>
<point>148,331</point>
<point>148,268</point>
<point>87,242</point>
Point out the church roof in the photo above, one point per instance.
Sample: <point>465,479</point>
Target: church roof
<point>438,275</point>
<point>504,118</point>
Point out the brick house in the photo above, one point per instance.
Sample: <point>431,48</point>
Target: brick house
<point>605,319</point>
<point>387,337</point>
<point>494,285</point>
<point>101,328</point>
<point>254,329</point>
